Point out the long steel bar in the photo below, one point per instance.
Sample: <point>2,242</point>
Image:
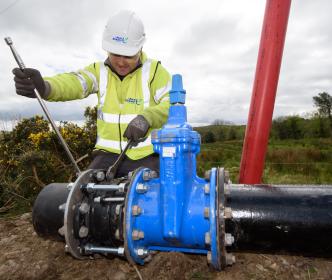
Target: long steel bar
<point>42,104</point>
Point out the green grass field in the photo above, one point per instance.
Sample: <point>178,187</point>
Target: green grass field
<point>304,161</point>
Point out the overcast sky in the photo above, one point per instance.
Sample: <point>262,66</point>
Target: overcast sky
<point>213,44</point>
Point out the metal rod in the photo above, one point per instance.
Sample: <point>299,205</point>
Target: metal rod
<point>99,199</point>
<point>264,91</point>
<point>90,187</point>
<point>274,218</point>
<point>42,104</point>
<point>102,250</point>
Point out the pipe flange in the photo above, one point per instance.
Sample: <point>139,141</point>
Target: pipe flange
<point>75,197</point>
<point>215,255</point>
<point>221,233</point>
<point>134,248</point>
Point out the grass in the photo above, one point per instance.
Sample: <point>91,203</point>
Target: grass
<point>304,161</point>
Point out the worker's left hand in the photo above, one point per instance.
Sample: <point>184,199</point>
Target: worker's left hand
<point>137,128</point>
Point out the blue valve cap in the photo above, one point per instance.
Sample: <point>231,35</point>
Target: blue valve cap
<point>177,93</point>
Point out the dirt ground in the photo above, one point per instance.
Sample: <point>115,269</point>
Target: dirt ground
<point>23,255</point>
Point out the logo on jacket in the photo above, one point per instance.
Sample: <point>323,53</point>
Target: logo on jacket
<point>120,39</point>
<point>134,101</point>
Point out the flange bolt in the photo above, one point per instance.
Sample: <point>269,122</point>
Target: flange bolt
<point>100,176</point>
<point>141,252</point>
<point>207,188</point>
<point>84,208</point>
<point>206,212</point>
<point>228,213</point>
<point>83,232</point>
<point>137,234</point>
<point>229,239</point>
<point>141,188</point>
<point>136,210</point>
<point>207,238</point>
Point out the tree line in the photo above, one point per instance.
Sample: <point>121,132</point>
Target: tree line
<point>316,125</point>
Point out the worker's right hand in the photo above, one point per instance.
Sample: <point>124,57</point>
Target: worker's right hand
<point>28,80</point>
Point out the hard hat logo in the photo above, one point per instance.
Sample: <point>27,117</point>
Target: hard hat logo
<point>124,34</point>
<point>120,39</point>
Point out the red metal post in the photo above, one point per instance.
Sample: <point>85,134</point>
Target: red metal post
<point>264,90</point>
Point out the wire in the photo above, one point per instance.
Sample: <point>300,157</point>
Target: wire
<point>9,6</point>
<point>137,271</point>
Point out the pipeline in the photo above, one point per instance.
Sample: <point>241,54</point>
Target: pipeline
<point>176,210</point>
<point>276,218</point>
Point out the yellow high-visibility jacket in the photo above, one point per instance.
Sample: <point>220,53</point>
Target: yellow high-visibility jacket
<point>145,92</point>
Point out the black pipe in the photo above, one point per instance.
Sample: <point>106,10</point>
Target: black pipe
<point>276,218</point>
<point>266,218</point>
<point>47,218</point>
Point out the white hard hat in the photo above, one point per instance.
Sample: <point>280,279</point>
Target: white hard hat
<point>124,34</point>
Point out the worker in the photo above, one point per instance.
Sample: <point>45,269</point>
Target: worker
<point>132,90</point>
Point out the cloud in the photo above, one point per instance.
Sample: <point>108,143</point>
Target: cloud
<point>214,46</point>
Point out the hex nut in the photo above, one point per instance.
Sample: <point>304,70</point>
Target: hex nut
<point>209,257</point>
<point>141,188</point>
<point>136,210</point>
<point>100,176</point>
<point>141,252</point>
<point>228,213</point>
<point>207,238</point>
<point>229,239</point>
<point>121,251</point>
<point>206,212</point>
<point>83,232</point>
<point>207,188</point>
<point>84,208</point>
<point>230,259</point>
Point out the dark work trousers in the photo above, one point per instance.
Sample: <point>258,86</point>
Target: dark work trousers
<point>103,160</point>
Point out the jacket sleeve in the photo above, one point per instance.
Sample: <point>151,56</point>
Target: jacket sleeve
<point>74,85</point>
<point>157,113</point>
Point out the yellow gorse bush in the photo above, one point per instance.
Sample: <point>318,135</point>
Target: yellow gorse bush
<point>39,137</point>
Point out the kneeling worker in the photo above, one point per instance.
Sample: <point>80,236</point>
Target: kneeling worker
<point>133,94</point>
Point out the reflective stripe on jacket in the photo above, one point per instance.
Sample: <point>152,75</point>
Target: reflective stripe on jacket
<point>144,92</point>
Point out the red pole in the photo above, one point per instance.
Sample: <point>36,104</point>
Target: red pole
<point>264,91</point>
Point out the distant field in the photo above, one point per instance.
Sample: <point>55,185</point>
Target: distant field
<point>303,161</point>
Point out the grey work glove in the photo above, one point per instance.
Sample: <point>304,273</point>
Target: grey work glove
<point>28,80</point>
<point>137,128</point>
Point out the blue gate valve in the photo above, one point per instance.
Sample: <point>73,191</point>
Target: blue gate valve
<point>177,211</point>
